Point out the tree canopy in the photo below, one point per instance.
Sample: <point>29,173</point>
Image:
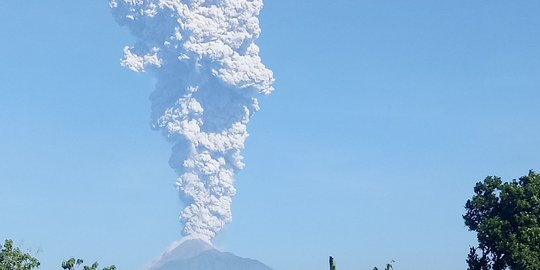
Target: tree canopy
<point>14,259</point>
<point>506,218</point>
<point>71,264</point>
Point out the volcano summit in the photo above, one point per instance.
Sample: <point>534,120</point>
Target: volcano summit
<point>195,254</point>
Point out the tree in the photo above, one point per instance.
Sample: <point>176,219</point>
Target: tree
<point>71,264</point>
<point>389,266</point>
<point>506,218</point>
<point>14,259</point>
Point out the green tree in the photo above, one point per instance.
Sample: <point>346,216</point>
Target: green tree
<point>14,259</point>
<point>389,266</point>
<point>71,264</point>
<point>506,218</point>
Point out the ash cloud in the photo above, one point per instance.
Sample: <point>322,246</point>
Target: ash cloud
<point>209,78</point>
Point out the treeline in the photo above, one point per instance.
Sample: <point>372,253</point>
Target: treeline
<point>13,258</point>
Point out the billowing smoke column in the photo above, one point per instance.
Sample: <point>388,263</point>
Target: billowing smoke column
<point>209,75</point>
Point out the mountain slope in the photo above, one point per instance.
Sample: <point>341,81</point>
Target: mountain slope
<point>199,255</point>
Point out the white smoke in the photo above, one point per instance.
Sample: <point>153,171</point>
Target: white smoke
<point>209,75</point>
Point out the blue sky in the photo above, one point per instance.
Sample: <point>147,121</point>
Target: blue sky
<point>385,114</point>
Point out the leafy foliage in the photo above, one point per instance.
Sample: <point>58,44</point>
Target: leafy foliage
<point>14,259</point>
<point>71,264</point>
<point>389,266</point>
<point>506,218</point>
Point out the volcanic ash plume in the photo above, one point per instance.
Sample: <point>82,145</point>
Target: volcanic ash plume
<point>209,76</point>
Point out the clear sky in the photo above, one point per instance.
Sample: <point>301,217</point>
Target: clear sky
<point>385,114</point>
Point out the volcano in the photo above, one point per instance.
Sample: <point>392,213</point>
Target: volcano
<point>197,254</point>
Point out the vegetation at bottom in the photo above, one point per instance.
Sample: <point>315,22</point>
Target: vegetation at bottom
<point>389,266</point>
<point>13,258</point>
